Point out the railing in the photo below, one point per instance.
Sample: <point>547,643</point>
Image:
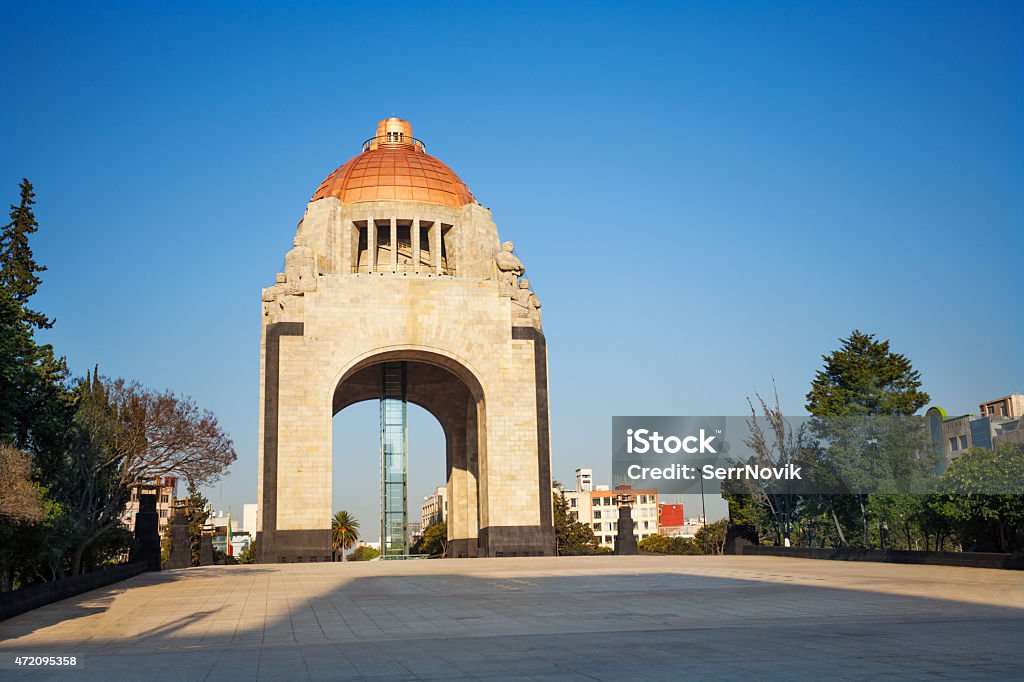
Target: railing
<point>390,140</point>
<point>402,269</point>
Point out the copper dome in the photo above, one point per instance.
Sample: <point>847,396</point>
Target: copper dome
<point>395,165</point>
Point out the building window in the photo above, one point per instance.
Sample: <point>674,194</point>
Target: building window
<point>607,500</point>
<point>647,524</point>
<point>597,501</point>
<point>963,442</point>
<point>165,499</point>
<point>597,513</point>
<point>572,502</point>
<point>163,513</point>
<point>952,444</point>
<point>597,526</point>
<point>608,539</point>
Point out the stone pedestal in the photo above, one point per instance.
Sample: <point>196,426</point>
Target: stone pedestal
<point>625,541</point>
<point>206,550</point>
<point>738,536</point>
<point>147,532</point>
<point>181,548</point>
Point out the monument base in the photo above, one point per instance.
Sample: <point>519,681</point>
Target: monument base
<point>293,546</point>
<point>509,541</point>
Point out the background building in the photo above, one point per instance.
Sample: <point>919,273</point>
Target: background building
<point>671,520</point>
<point>595,506</point>
<point>222,531</point>
<point>435,508</point>
<point>167,493</point>
<point>1000,420</point>
<point>604,511</point>
<point>249,513</point>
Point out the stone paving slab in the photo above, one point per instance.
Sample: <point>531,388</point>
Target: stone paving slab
<point>587,618</point>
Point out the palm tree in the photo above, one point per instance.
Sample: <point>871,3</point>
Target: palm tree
<point>344,532</point>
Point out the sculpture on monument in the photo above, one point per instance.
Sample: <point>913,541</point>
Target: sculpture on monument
<point>510,268</point>
<point>273,297</point>
<point>525,303</point>
<point>300,268</point>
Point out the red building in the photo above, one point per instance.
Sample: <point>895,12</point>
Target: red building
<point>670,515</point>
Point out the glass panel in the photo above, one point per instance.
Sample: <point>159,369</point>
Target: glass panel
<point>394,439</point>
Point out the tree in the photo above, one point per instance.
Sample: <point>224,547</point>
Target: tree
<point>344,532</point>
<point>984,497</point>
<point>661,544</point>
<point>197,513</point>
<point>90,441</point>
<point>571,536</point>
<point>434,542</point>
<point>165,541</point>
<point>18,268</point>
<point>20,498</point>
<point>865,377</point>
<point>711,537</point>
<point>32,394</point>
<point>248,555</point>
<point>126,435</point>
<point>778,448</point>
<point>862,378</point>
<point>365,553</point>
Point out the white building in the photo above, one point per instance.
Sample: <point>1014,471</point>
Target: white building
<point>435,508</point>
<point>595,505</point>
<point>249,513</point>
<point>166,489</point>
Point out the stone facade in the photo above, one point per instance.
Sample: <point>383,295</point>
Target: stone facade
<point>381,281</point>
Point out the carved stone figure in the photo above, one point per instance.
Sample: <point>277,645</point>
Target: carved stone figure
<point>300,267</point>
<point>510,269</point>
<point>273,297</point>
<point>525,303</point>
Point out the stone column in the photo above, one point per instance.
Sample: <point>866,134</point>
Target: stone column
<point>435,246</point>
<point>394,244</point>
<point>371,242</point>
<point>415,236</point>
<point>458,517</point>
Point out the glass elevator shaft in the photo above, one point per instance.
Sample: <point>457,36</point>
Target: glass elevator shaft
<point>394,461</point>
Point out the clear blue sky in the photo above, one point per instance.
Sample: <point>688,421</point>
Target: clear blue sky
<point>706,197</point>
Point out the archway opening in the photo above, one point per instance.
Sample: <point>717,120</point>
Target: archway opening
<point>440,398</point>
<point>355,478</point>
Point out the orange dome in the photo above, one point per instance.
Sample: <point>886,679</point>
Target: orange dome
<point>395,165</point>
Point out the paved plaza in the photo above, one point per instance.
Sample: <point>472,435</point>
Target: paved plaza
<point>585,618</point>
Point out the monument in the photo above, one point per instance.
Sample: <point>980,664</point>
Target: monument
<point>398,289</point>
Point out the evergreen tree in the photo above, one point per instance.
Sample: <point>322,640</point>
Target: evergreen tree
<point>18,268</point>
<point>571,537</point>
<point>33,398</point>
<point>197,515</point>
<point>862,379</point>
<point>865,377</point>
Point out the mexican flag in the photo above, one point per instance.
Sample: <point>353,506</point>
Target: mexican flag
<point>229,537</point>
